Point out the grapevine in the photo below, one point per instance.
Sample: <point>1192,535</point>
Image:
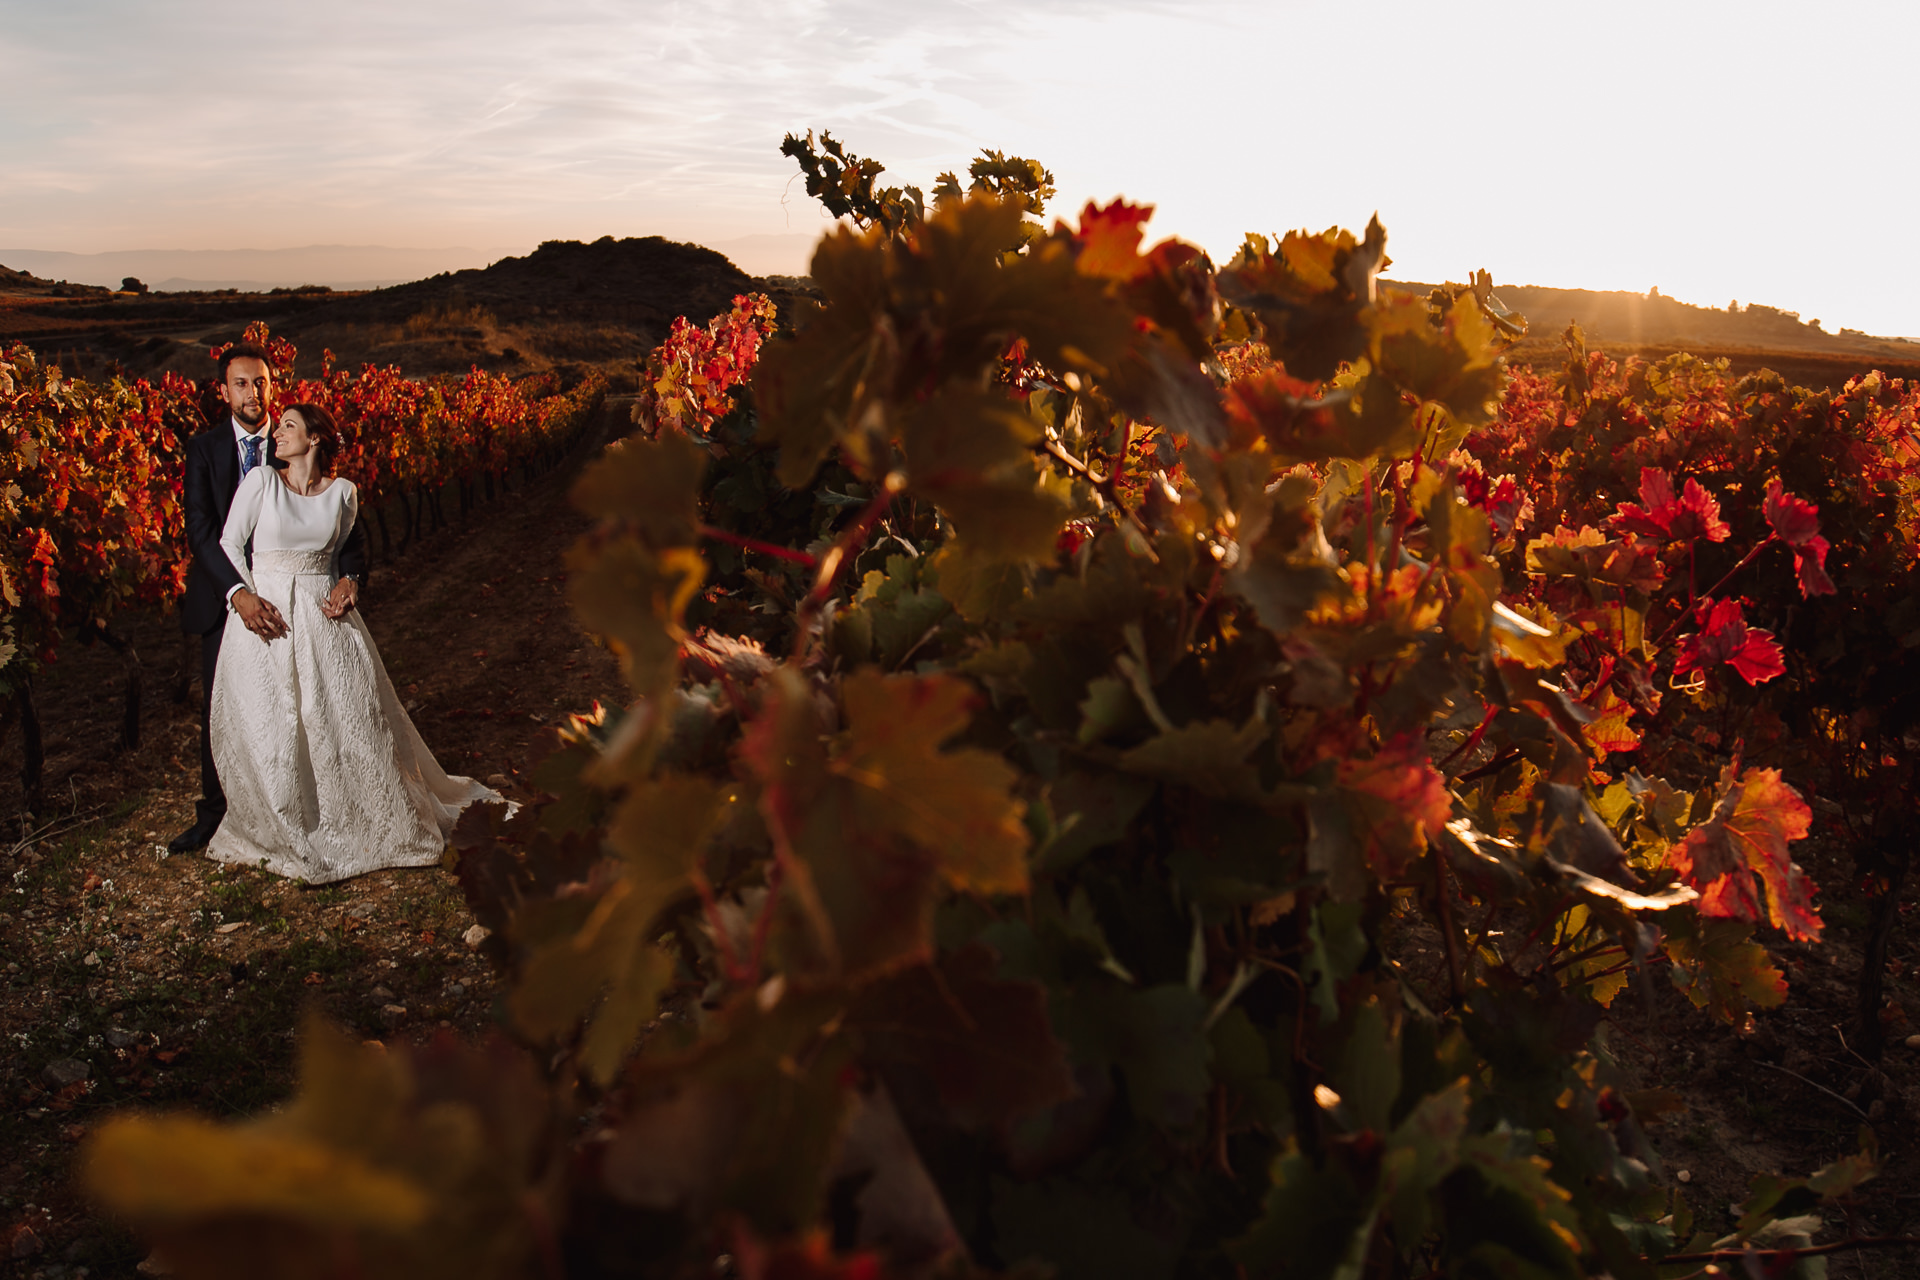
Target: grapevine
<point>1179,829</point>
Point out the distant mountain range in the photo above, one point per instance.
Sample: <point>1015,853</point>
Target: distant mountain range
<point>338,266</point>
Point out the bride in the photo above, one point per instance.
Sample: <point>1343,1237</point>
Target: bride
<point>325,775</point>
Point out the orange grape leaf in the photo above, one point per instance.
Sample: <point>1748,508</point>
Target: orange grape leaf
<point>1110,240</point>
<point>1591,556</point>
<point>957,804</point>
<point>857,893</point>
<point>1740,854</point>
<point>1388,806</point>
<point>1608,731</point>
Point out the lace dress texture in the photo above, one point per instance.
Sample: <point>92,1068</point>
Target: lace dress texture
<point>326,776</point>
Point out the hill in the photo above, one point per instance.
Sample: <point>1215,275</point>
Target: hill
<point>565,305</point>
<point>1652,325</point>
<point>606,303</point>
<point>570,305</point>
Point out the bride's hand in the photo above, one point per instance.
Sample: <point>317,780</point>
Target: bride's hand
<point>342,599</point>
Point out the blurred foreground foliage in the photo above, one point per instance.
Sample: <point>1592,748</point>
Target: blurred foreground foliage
<point>1083,806</point>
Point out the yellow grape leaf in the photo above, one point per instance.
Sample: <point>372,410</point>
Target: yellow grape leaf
<point>636,597</point>
<point>958,804</point>
<point>630,1003</point>
<point>660,831</point>
<point>805,384</point>
<point>564,978</point>
<point>977,584</point>
<point>1460,537</point>
<point>652,485</point>
<point>154,1171</point>
<point>1530,634</point>
<point>1608,731</point>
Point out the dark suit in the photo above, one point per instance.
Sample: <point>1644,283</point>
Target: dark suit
<point>213,475</point>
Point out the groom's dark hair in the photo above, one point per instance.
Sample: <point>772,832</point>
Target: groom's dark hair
<point>243,351</point>
<point>323,431</point>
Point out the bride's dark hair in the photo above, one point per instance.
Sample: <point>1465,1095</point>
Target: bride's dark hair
<point>323,431</point>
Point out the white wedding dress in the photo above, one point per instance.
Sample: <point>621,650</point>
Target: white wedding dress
<point>325,775</point>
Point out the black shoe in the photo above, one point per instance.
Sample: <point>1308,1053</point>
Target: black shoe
<point>194,837</point>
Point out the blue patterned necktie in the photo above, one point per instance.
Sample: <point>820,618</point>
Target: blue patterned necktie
<point>252,460</point>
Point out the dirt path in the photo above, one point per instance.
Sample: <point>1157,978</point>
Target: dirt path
<point>176,982</point>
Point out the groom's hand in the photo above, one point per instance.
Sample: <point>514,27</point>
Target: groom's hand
<point>259,616</point>
<point>342,599</point>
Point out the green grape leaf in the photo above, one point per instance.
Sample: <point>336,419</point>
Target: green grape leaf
<point>1423,1150</point>
<point>1210,757</point>
<point>1315,1224</point>
<point>1156,1037</point>
<point>1090,810</point>
<point>1718,966</point>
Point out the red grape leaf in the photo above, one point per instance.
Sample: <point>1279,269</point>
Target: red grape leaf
<point>1724,636</point>
<point>984,1042</point>
<point>1794,520</point>
<point>1694,514</point>
<point>1810,566</point>
<point>1740,853</point>
<point>1398,800</point>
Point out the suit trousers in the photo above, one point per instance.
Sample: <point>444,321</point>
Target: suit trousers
<point>212,805</point>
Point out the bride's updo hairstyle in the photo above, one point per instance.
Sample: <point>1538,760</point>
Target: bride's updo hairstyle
<point>323,431</point>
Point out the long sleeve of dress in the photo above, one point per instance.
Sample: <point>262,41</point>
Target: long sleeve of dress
<point>344,531</point>
<point>241,518</point>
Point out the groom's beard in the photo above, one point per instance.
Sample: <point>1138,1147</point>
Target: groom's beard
<point>250,416</point>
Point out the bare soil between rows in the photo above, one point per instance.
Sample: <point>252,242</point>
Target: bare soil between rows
<point>180,983</point>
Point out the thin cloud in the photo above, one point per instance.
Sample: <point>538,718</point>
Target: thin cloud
<point>1652,145</point>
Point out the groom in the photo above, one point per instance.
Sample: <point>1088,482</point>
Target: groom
<point>217,460</point>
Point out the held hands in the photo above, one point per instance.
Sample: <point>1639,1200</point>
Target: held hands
<point>259,616</point>
<point>342,599</point>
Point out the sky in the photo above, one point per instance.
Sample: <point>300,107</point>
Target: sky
<point>1755,151</point>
